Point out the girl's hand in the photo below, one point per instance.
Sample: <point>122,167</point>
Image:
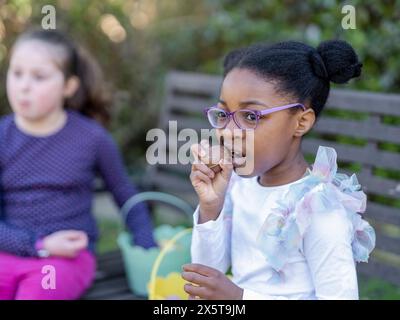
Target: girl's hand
<point>210,185</point>
<point>65,243</point>
<point>210,283</point>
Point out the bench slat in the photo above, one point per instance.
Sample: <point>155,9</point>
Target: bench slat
<point>362,101</point>
<point>344,99</point>
<point>382,213</point>
<point>376,269</point>
<point>107,289</point>
<point>388,244</point>
<point>358,129</point>
<point>351,153</point>
<point>379,186</point>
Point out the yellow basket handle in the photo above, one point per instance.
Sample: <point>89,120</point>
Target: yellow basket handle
<point>157,262</point>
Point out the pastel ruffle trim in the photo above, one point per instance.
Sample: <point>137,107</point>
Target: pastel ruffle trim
<point>323,190</point>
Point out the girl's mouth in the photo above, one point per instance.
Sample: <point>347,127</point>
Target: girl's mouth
<point>24,103</point>
<point>238,156</point>
<point>218,152</point>
<point>238,159</point>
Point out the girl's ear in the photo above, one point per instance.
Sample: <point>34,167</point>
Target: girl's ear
<point>71,86</point>
<point>305,122</point>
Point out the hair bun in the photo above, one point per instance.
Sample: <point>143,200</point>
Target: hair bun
<point>340,60</point>
<point>318,65</point>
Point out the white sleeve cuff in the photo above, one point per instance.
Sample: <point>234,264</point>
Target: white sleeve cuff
<point>209,226</point>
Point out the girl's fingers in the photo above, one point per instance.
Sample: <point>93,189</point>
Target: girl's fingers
<point>226,164</point>
<point>196,278</point>
<point>200,164</point>
<point>195,290</point>
<point>200,158</point>
<point>195,150</point>
<point>77,243</point>
<point>74,234</point>
<point>204,151</point>
<point>198,151</point>
<point>201,269</point>
<point>204,169</point>
<point>204,144</point>
<point>82,243</point>
<point>227,168</point>
<point>69,247</point>
<point>194,298</point>
<point>200,176</point>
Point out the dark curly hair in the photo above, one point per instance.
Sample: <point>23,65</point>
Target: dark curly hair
<point>298,69</point>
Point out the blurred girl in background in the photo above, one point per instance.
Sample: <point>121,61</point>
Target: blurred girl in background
<point>51,148</point>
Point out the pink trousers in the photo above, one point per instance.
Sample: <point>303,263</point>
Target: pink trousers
<point>51,278</point>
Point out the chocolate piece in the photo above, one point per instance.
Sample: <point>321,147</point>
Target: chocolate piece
<point>216,154</point>
<point>215,167</point>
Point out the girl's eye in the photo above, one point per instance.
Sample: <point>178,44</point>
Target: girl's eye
<point>250,116</point>
<point>221,114</point>
<point>39,77</point>
<point>17,73</point>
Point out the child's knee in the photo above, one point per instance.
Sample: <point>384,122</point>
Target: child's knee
<point>56,280</point>
<point>44,287</point>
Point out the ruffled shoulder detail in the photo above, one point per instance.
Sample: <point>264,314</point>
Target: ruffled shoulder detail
<point>323,190</point>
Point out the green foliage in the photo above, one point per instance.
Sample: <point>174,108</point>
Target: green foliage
<point>376,289</point>
<point>228,24</point>
<point>194,35</point>
<point>109,229</point>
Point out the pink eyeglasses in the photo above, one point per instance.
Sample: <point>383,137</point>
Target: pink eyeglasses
<point>245,119</point>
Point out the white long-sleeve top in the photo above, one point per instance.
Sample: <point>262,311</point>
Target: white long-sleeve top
<point>323,269</point>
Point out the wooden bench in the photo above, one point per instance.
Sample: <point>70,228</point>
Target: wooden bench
<point>110,282</point>
<point>365,142</point>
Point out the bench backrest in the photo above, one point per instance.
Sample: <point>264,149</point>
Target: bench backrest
<point>363,127</point>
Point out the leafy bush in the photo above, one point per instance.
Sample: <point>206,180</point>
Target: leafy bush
<point>137,41</point>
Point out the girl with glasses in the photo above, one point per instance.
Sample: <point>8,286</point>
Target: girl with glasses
<point>287,230</point>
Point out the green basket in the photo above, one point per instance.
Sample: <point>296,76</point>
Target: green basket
<point>139,261</point>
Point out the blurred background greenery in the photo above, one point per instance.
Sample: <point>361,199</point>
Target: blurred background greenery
<point>138,41</point>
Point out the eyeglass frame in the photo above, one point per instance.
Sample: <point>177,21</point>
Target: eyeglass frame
<point>259,113</point>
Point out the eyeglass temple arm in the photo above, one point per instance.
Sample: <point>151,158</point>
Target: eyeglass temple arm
<point>268,111</point>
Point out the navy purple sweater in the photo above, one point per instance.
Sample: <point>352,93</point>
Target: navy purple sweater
<point>47,184</point>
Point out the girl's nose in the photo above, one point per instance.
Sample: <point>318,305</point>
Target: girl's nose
<point>231,135</point>
<point>25,84</point>
<point>232,125</point>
